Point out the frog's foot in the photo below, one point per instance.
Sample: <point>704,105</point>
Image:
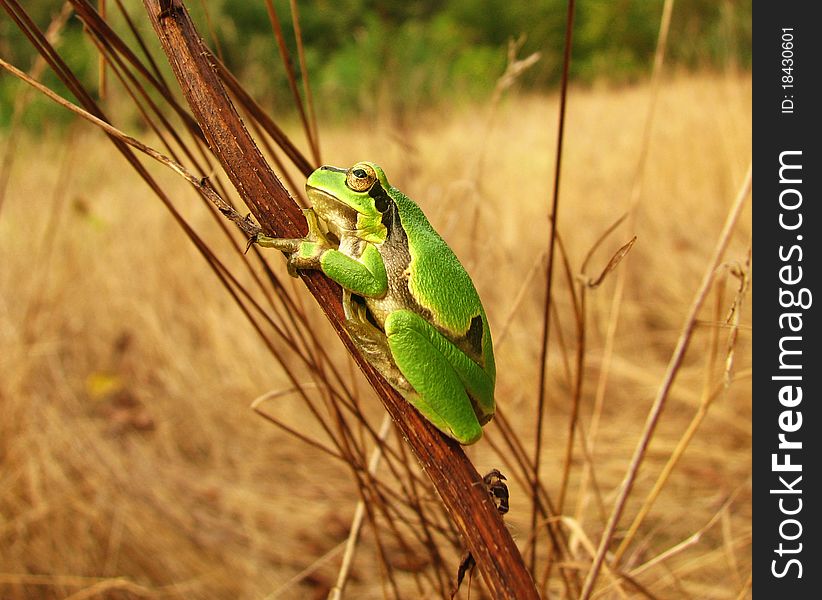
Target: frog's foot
<point>287,245</point>
<point>252,239</point>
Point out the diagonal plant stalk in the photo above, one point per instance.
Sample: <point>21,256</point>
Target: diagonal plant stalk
<point>314,133</point>
<point>452,474</point>
<point>310,132</point>
<point>667,383</point>
<point>101,60</point>
<point>709,396</point>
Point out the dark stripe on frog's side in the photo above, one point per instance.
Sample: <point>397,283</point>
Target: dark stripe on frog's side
<point>334,169</point>
<point>383,202</point>
<point>397,260</point>
<point>473,337</point>
<point>395,250</point>
<point>471,342</point>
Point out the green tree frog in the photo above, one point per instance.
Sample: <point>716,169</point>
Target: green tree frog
<point>410,307</point>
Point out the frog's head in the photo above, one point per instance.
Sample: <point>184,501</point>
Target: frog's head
<point>350,200</point>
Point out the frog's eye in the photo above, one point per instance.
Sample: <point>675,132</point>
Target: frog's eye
<point>360,177</point>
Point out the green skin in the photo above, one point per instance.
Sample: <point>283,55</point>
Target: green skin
<point>410,307</point>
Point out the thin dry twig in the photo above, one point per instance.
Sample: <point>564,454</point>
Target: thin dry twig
<point>101,60</point>
<point>612,264</point>
<point>746,588</point>
<point>306,572</point>
<point>309,97</point>
<point>93,586</point>
<point>199,183</point>
<point>692,539</point>
<point>546,319</point>
<point>292,77</point>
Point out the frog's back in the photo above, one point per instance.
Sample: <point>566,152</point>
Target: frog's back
<point>438,279</point>
<point>440,284</point>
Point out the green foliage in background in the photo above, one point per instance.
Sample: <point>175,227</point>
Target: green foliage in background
<point>367,56</point>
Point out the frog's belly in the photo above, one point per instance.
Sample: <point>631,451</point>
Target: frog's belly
<point>398,297</point>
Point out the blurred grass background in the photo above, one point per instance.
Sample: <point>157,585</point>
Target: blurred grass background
<point>131,464</point>
<point>400,57</point>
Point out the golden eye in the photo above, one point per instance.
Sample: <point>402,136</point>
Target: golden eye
<point>360,177</point>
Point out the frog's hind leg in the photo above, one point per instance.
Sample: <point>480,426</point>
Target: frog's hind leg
<point>426,359</point>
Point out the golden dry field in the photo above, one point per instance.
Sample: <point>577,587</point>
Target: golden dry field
<point>131,463</point>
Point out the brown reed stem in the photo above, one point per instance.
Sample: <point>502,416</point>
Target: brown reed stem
<point>452,474</point>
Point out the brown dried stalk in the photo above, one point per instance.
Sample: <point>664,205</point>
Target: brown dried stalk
<point>452,474</point>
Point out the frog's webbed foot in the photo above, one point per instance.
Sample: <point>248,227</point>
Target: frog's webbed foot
<point>371,342</point>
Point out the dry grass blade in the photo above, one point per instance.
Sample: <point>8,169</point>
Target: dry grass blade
<point>106,35</point>
<point>744,275</point>
<point>525,288</point>
<point>633,203</point>
<point>289,585</point>
<point>309,98</point>
<point>746,589</point>
<point>93,586</point>
<point>101,61</point>
<point>689,541</point>
<point>579,305</point>
<point>155,70</point>
<point>255,406</point>
<point>659,402</point>
<point>262,118</point>
<point>612,264</point>
<point>212,32</point>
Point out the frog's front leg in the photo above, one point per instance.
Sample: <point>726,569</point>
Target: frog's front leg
<point>363,272</point>
<point>303,253</point>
